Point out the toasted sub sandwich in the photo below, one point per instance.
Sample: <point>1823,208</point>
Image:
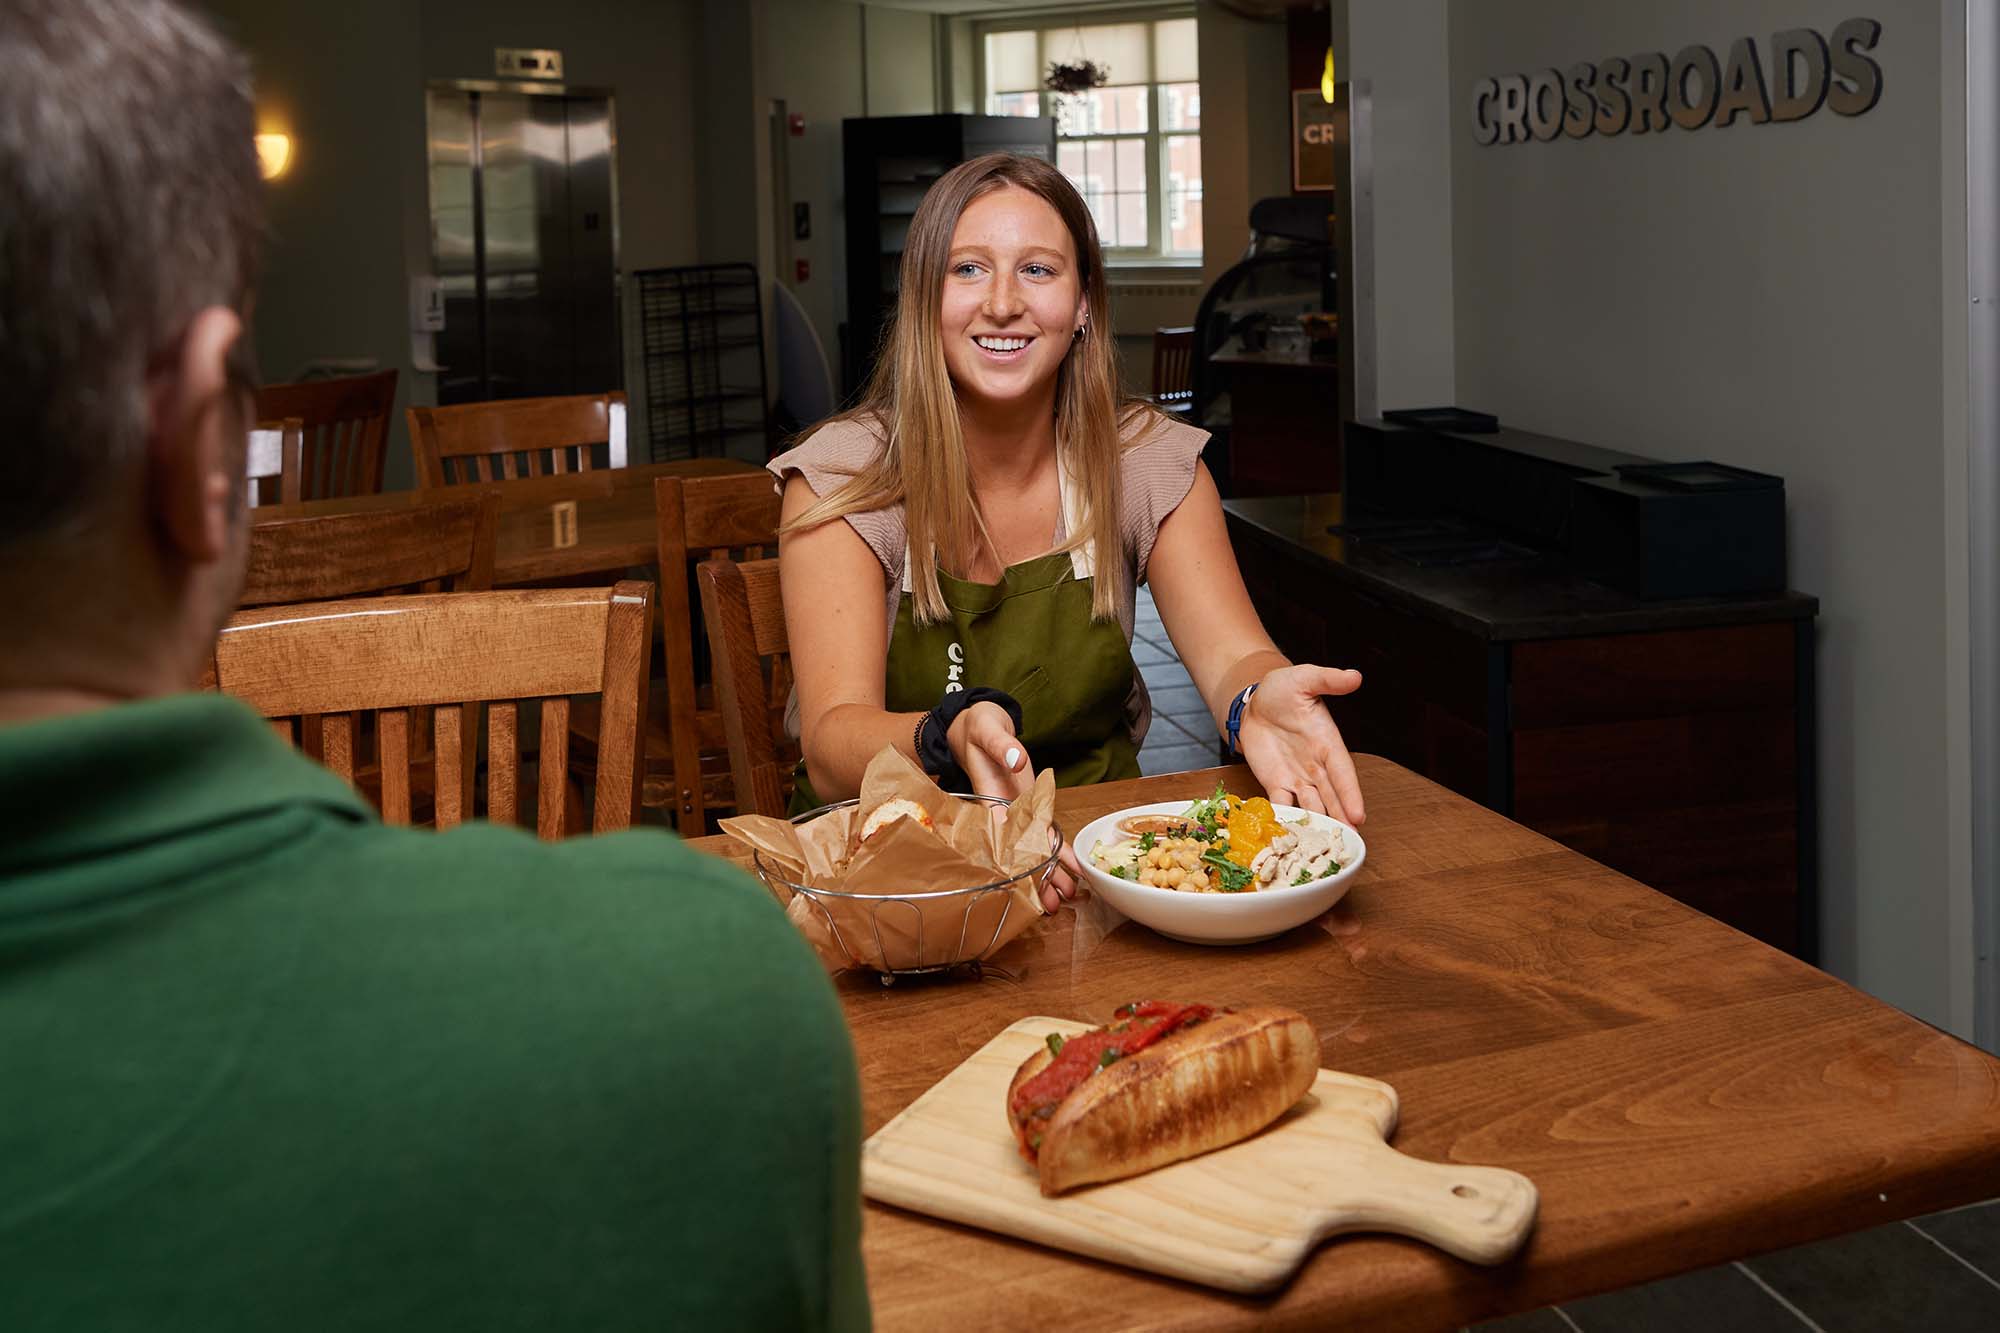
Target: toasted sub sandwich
<point>1161,1083</point>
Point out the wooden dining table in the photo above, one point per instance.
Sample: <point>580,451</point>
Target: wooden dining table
<point>554,526</point>
<point>1681,1094</point>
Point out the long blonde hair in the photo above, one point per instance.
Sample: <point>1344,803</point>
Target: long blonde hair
<point>909,400</point>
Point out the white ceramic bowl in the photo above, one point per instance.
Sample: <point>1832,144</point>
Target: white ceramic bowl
<point>1217,918</point>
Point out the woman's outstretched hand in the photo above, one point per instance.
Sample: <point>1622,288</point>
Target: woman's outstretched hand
<point>983,742</point>
<point>1292,745</point>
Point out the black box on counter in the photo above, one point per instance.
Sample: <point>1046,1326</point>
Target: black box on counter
<point>1666,530</point>
<point>1515,481</point>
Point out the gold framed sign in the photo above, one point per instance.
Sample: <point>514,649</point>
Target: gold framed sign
<point>1312,141</point>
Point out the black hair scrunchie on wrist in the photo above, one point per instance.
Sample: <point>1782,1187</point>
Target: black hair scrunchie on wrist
<point>934,751</point>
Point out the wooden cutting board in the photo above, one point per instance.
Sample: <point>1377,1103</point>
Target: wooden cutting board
<point>1242,1218</point>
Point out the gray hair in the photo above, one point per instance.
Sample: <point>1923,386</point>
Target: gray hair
<point>129,202</point>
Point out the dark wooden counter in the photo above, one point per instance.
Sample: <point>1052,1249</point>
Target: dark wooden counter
<point>1672,740</point>
<point>1533,598</point>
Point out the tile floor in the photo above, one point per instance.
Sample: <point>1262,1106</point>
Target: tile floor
<point>1183,734</point>
<point>1938,1274</point>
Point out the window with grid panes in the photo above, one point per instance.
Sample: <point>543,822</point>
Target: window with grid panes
<point>1132,147</point>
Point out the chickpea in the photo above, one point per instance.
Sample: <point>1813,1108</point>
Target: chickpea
<point>1175,877</point>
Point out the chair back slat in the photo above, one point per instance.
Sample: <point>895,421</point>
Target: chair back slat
<point>487,440</point>
<point>427,548</point>
<point>346,436</point>
<point>337,744</point>
<point>697,516</point>
<point>281,725</point>
<point>448,747</point>
<point>745,614</point>
<point>503,763</point>
<point>393,732</point>
<point>392,655</point>
<point>272,462</point>
<point>553,793</point>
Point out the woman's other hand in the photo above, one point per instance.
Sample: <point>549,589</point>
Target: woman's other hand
<point>1294,748</point>
<point>983,742</point>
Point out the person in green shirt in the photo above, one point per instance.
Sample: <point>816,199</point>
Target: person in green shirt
<point>264,1062</point>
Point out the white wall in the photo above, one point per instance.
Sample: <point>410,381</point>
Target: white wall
<point>901,52</point>
<point>1401,48</point>
<point>334,279</point>
<point>1773,296</point>
<point>1246,122</point>
<point>828,60</point>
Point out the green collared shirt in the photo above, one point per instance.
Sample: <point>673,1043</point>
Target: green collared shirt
<point>268,1064</point>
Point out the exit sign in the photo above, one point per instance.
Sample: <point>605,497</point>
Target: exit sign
<point>519,63</point>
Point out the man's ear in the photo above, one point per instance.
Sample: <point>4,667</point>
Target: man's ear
<point>190,414</point>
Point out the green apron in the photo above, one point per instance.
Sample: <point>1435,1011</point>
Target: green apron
<point>1031,635</point>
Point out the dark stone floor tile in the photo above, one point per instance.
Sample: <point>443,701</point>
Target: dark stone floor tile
<point>1535,1321</point>
<point>1888,1279</point>
<point>1973,1234</point>
<point>1200,727</point>
<point>1175,699</point>
<point>1713,1300</point>
<point>1174,759</point>
<point>1167,731</point>
<point>1147,654</point>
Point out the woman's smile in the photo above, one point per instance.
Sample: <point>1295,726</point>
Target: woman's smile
<point>1002,348</point>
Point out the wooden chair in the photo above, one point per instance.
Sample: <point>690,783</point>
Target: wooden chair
<point>347,429</point>
<point>516,437</point>
<point>272,462</point>
<point>390,655</point>
<point>745,612</point>
<point>1173,370</point>
<point>442,547</point>
<point>699,517</point>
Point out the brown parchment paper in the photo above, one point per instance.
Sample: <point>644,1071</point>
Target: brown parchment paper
<point>971,844</point>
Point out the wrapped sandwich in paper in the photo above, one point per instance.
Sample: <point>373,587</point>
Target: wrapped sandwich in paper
<point>907,837</point>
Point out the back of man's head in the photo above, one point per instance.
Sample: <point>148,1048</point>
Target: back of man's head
<point>132,203</point>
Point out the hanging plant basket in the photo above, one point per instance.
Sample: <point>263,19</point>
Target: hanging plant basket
<point>1076,76</point>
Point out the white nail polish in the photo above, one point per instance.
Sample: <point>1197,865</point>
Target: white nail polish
<point>1013,755</point>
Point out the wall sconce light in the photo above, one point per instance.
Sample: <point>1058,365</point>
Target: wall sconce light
<point>1326,77</point>
<point>274,154</point>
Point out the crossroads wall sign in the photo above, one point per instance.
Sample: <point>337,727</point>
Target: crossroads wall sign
<point>1799,72</point>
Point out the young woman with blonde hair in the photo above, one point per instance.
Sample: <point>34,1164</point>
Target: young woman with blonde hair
<point>960,553</point>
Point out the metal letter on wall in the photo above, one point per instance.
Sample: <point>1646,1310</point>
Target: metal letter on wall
<point>1857,80</point>
<point>1797,51</point>
<point>1743,86</point>
<point>1689,110</point>
<point>1647,92</point>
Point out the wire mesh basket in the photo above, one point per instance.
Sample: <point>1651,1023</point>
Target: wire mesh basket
<point>909,933</point>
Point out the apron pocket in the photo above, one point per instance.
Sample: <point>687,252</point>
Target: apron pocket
<point>1029,686</point>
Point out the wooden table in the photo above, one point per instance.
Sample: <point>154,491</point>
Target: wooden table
<point>614,525</point>
<point>1682,1094</point>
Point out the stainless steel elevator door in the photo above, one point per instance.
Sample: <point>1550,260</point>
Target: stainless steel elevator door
<point>522,209</point>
